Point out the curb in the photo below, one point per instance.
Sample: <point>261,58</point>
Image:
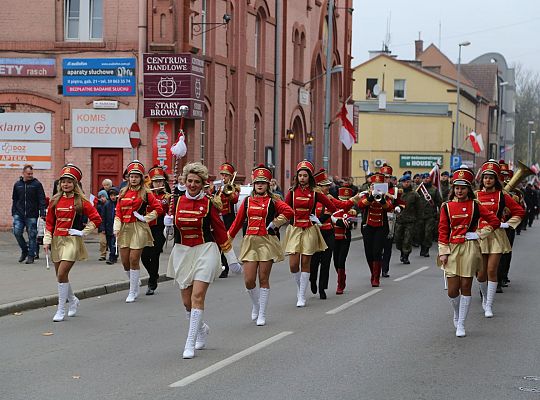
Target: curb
<point>52,300</point>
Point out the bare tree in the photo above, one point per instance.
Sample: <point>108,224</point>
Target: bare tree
<point>528,109</point>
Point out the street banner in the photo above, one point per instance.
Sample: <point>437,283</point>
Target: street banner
<point>101,128</point>
<point>162,140</point>
<point>15,155</point>
<point>25,126</point>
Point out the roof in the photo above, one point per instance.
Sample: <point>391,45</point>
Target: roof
<point>484,77</point>
<point>433,57</point>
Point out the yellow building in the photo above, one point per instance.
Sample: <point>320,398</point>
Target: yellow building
<point>406,116</point>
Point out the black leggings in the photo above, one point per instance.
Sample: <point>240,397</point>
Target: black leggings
<point>341,251</point>
<point>374,239</point>
<point>323,258</point>
<point>150,256</point>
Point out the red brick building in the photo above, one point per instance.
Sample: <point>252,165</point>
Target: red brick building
<point>55,58</point>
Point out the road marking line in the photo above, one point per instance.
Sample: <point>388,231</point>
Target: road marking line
<point>411,274</point>
<point>235,357</point>
<point>353,302</point>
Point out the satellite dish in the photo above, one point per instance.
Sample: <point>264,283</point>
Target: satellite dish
<point>376,89</point>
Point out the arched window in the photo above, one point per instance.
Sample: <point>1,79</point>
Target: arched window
<point>301,47</point>
<point>256,136</point>
<point>257,38</point>
<point>260,37</point>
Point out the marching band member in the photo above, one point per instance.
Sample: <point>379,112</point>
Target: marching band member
<point>228,200</point>
<point>496,200</point>
<point>459,248</point>
<point>374,226</point>
<point>303,237</point>
<point>64,232</point>
<point>342,222</point>
<point>264,212</point>
<point>136,207</point>
<point>506,258</point>
<point>387,170</point>
<point>150,254</point>
<point>195,258</point>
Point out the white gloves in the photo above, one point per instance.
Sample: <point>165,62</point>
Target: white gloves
<point>397,210</point>
<point>504,225</point>
<point>234,264</point>
<point>75,232</point>
<point>334,219</point>
<point>138,216</point>
<point>168,220</point>
<point>472,236</point>
<point>271,226</point>
<point>313,218</point>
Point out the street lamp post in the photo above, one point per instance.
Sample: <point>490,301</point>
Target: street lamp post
<point>529,125</point>
<point>329,51</point>
<point>456,127</point>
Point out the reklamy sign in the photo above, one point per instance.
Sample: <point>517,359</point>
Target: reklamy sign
<point>25,126</point>
<point>28,67</point>
<point>170,81</point>
<point>419,160</point>
<point>99,77</point>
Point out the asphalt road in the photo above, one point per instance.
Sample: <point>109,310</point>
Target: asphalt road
<point>393,343</point>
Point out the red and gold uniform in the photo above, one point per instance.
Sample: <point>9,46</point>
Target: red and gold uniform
<point>259,243</point>
<point>374,228</point>
<point>63,217</point>
<point>228,201</point>
<point>302,235</point>
<point>196,255</point>
<point>498,202</point>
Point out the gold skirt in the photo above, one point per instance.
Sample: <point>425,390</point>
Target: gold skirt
<point>464,260</point>
<point>496,243</point>
<point>261,248</point>
<point>135,235</point>
<point>68,248</point>
<point>307,241</point>
<point>197,263</point>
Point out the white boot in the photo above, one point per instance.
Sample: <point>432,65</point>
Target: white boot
<point>455,304</point>
<point>202,335</point>
<point>464,304</point>
<point>483,292</point>
<point>194,326</point>
<point>263,301</point>
<point>304,279</point>
<point>133,285</point>
<point>73,302</point>
<point>254,294</point>
<point>129,275</point>
<point>63,289</point>
<point>491,289</point>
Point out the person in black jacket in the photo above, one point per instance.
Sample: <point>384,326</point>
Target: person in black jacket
<point>108,221</point>
<point>28,205</point>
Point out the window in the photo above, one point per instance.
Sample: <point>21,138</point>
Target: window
<point>203,21</point>
<point>256,128</point>
<point>370,85</point>
<point>83,20</point>
<point>257,38</point>
<point>203,141</point>
<point>399,88</point>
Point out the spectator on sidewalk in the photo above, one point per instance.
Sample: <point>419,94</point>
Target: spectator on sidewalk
<point>28,205</point>
<point>102,200</point>
<point>108,221</point>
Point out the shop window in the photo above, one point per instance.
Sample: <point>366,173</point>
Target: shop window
<point>83,20</point>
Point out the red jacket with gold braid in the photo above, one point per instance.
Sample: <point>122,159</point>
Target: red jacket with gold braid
<point>63,217</point>
<point>325,217</point>
<point>497,202</point>
<point>459,217</point>
<point>302,200</point>
<point>131,202</point>
<point>229,202</point>
<point>260,211</point>
<point>198,221</point>
<point>341,231</point>
<point>374,211</point>
<point>163,198</point>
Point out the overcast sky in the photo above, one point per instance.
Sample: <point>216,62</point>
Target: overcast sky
<point>511,28</point>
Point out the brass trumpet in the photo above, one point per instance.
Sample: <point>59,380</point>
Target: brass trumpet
<point>229,188</point>
<point>522,172</point>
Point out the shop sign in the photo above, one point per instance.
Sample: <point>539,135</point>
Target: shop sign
<point>101,128</point>
<point>419,160</point>
<point>161,143</point>
<point>28,67</point>
<point>99,77</point>
<point>15,155</point>
<point>25,126</point>
<point>170,81</point>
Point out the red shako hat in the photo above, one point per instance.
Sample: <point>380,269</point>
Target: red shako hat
<point>305,165</point>
<point>386,169</point>
<point>71,171</point>
<point>345,193</point>
<point>261,174</point>
<point>321,178</point>
<point>227,168</point>
<point>156,173</point>
<point>491,167</point>
<point>462,177</point>
<point>377,177</point>
<point>135,167</point>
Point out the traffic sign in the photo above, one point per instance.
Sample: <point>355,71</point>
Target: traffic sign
<point>365,165</point>
<point>135,135</point>
<point>455,161</point>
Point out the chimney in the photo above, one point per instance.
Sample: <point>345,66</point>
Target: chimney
<point>418,48</point>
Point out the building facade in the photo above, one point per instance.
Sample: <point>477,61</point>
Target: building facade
<point>74,71</point>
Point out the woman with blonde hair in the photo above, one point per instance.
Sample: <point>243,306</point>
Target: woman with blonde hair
<point>135,208</point>
<point>195,259</point>
<point>265,212</point>
<point>63,234</point>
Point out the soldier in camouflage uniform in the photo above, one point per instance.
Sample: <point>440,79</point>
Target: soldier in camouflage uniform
<point>408,202</point>
<point>430,215</point>
<point>445,185</point>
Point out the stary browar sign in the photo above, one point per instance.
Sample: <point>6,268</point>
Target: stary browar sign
<point>171,81</point>
<point>99,77</point>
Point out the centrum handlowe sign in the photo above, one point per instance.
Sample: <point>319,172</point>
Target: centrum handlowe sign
<point>171,81</point>
<point>419,160</point>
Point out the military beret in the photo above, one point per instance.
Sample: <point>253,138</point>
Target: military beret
<point>405,178</point>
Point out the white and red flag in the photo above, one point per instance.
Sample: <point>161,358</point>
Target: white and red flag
<point>476,141</point>
<point>435,175</point>
<point>346,132</point>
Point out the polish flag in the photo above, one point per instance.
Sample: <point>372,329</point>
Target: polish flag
<point>346,133</point>
<point>435,175</point>
<point>476,141</point>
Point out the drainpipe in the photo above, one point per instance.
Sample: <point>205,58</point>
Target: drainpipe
<point>277,89</point>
